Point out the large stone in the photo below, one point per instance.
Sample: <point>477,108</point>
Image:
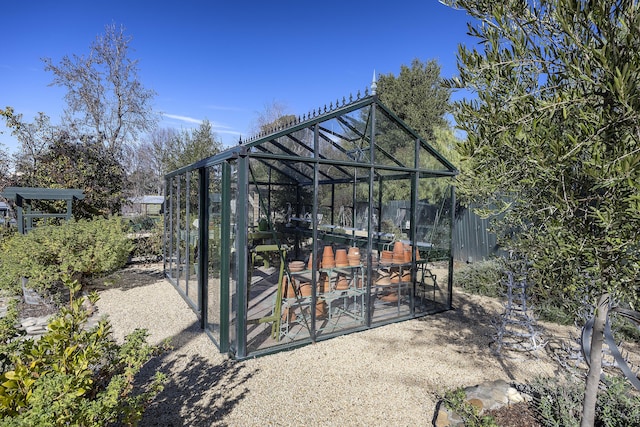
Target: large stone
<point>442,420</point>
<point>486,396</point>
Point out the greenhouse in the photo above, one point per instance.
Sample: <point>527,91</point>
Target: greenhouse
<point>331,224</point>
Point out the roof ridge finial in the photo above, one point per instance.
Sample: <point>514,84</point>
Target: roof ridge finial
<point>374,84</point>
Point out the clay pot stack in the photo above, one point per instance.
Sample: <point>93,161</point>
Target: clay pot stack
<point>341,258</point>
<point>305,289</point>
<point>353,256</point>
<point>395,276</point>
<point>342,283</point>
<point>386,257</point>
<point>383,279</point>
<point>398,253</point>
<point>296,266</point>
<point>328,261</point>
<point>407,253</point>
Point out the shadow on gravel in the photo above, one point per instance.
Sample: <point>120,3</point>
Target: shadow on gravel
<point>131,276</point>
<point>198,392</point>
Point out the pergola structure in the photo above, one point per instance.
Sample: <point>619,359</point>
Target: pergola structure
<point>329,224</point>
<point>25,197</point>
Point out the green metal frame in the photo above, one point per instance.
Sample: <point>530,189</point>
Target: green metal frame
<point>310,169</point>
<point>25,196</point>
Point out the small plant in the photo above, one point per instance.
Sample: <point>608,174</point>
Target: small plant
<point>559,402</point>
<point>74,375</point>
<point>456,401</point>
<point>8,332</point>
<point>481,278</point>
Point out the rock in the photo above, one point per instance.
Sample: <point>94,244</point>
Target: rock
<point>442,420</point>
<point>486,396</point>
<point>477,403</point>
<point>36,330</point>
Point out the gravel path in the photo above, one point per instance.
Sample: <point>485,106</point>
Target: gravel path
<point>390,375</point>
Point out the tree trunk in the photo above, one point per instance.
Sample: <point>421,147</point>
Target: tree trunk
<point>595,362</point>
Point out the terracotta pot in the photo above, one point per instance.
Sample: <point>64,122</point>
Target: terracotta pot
<point>387,257</point>
<point>328,251</point>
<point>328,262</point>
<point>341,258</point>
<point>406,277</point>
<point>310,263</point>
<point>289,315</point>
<point>288,286</point>
<point>354,262</point>
<point>321,309</point>
<point>390,297</point>
<point>398,248</point>
<point>296,266</point>
<point>323,283</point>
<point>354,250</point>
<point>407,255</point>
<point>305,289</point>
<point>342,283</point>
<point>417,254</point>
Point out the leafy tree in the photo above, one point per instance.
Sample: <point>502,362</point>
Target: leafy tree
<point>86,165</point>
<point>5,166</point>
<point>420,99</point>
<point>145,175</point>
<point>417,96</point>
<point>34,139</point>
<point>554,142</point>
<point>105,97</point>
<point>50,157</point>
<point>174,150</point>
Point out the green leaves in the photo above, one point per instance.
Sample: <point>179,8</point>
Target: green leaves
<point>555,130</point>
<point>76,376</point>
<point>47,255</point>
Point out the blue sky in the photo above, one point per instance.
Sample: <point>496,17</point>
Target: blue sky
<point>226,60</point>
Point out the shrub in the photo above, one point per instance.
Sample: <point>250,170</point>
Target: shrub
<point>482,278</point>
<point>76,376</point>
<point>148,238</point>
<point>45,254</point>
<point>559,402</point>
<point>551,310</point>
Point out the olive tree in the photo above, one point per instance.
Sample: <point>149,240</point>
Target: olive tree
<point>554,143</point>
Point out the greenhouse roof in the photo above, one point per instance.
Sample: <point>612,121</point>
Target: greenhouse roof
<point>339,137</point>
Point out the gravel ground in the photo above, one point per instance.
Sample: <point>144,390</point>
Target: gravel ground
<point>389,375</point>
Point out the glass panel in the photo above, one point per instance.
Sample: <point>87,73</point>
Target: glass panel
<point>215,244</point>
<point>393,281</point>
<point>342,251</point>
<point>394,146</point>
<point>434,242</point>
<point>181,223</point>
<point>296,144</point>
<point>192,180</point>
<point>172,229</point>
<point>344,138</point>
<point>278,218</point>
<point>233,256</point>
